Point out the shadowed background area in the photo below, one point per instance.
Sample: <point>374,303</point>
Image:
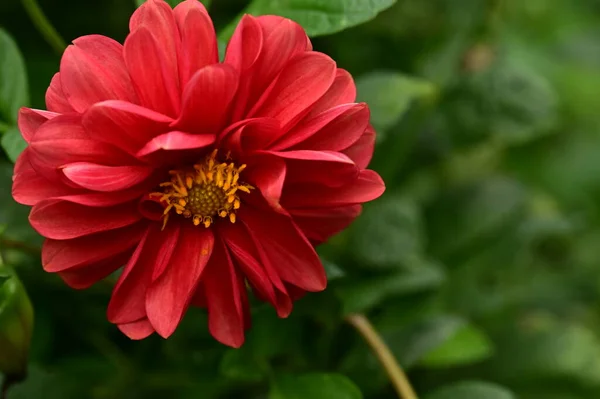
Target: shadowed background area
<point>480,265</point>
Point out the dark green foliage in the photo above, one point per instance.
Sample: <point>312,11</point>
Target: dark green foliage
<point>480,265</point>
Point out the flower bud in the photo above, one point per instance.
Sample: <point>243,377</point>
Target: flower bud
<point>16,324</point>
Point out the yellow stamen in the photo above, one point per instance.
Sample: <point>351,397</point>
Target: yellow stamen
<point>207,189</point>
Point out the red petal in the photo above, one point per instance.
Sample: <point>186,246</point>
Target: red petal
<point>169,296</point>
<point>243,249</point>
<point>333,130</point>
<point>29,187</point>
<point>283,39</point>
<point>63,140</point>
<point>155,78</point>
<point>342,91</point>
<point>245,45</point>
<point>56,101</point>
<point>60,255</point>
<point>361,152</point>
<point>86,276</point>
<point>137,330</point>
<point>224,291</point>
<point>206,99</point>
<point>128,301</point>
<point>176,141</point>
<point>267,174</point>
<point>61,220</point>
<point>320,224</point>
<point>250,135</point>
<point>301,83</point>
<point>286,248</point>
<point>157,18</point>
<point>109,199</point>
<point>317,167</point>
<point>240,245</point>
<point>31,119</point>
<point>106,178</point>
<point>198,39</point>
<point>367,187</point>
<point>125,125</point>
<point>93,70</point>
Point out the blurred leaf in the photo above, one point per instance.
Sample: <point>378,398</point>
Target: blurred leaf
<point>472,390</point>
<point>412,343</point>
<point>508,100</point>
<point>468,345</point>
<point>475,213</point>
<point>270,335</point>
<point>243,365</point>
<point>389,95</point>
<point>16,323</point>
<point>333,271</point>
<point>549,348</point>
<point>39,384</point>
<point>13,80</point>
<point>13,143</point>
<point>366,293</point>
<point>317,17</point>
<point>314,386</point>
<point>389,234</point>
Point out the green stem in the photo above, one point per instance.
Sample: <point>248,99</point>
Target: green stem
<point>44,26</point>
<point>19,245</point>
<point>390,364</point>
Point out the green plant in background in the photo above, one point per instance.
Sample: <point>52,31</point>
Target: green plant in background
<point>479,268</point>
<point>16,326</point>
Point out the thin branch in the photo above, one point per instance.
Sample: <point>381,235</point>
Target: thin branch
<point>19,245</point>
<point>395,373</point>
<point>44,26</point>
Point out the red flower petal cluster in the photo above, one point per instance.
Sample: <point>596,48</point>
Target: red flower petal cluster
<point>202,178</point>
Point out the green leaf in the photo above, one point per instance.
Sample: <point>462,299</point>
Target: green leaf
<point>16,323</point>
<point>173,3</point>
<point>13,80</point>
<point>39,384</point>
<point>366,293</point>
<point>550,348</point>
<point>243,365</point>
<point>474,214</point>
<point>333,271</point>
<point>314,386</point>
<point>269,337</point>
<point>412,343</point>
<point>317,17</point>
<point>472,390</point>
<point>389,234</point>
<point>468,345</point>
<point>508,101</point>
<point>389,95</point>
<point>13,143</point>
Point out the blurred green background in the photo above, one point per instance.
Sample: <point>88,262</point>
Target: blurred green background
<point>480,265</point>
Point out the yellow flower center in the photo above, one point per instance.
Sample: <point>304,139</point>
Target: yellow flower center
<point>201,193</point>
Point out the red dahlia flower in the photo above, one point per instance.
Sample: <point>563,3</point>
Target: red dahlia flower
<point>202,178</point>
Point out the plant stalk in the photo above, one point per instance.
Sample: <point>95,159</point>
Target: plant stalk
<point>44,26</point>
<point>397,376</point>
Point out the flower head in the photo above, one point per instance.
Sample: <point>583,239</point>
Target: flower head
<point>204,179</point>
